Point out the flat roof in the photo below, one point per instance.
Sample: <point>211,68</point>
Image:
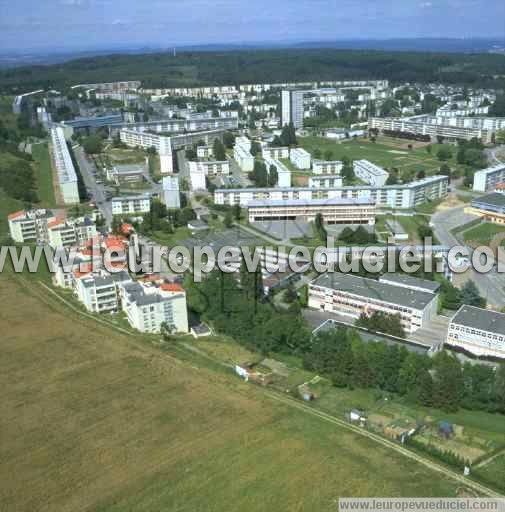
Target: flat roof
<point>482,319</point>
<point>408,280</point>
<point>333,201</point>
<point>372,289</point>
<point>494,199</point>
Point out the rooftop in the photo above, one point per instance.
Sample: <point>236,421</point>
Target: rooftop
<point>372,289</point>
<point>334,201</point>
<point>478,318</point>
<point>494,199</point>
<point>406,280</point>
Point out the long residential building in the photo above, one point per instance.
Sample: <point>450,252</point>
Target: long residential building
<point>242,154</point>
<point>370,173</point>
<point>67,177</point>
<point>351,295</point>
<point>425,125</point>
<point>393,196</point>
<point>333,211</point>
<point>487,179</point>
<point>131,205</point>
<point>300,158</point>
<point>275,152</point>
<point>283,173</point>
<point>177,126</point>
<point>322,181</point>
<point>480,332</point>
<point>490,208</point>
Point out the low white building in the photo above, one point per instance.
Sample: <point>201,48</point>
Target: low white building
<point>327,167</point>
<point>242,154</point>
<point>131,205</point>
<point>300,158</point>
<point>197,176</point>
<point>204,151</point>
<point>351,295</point>
<point>70,232</point>
<point>487,179</point>
<point>370,173</point>
<point>275,152</point>
<point>283,173</point>
<point>322,181</point>
<point>480,332</point>
<point>171,193</point>
<point>149,305</point>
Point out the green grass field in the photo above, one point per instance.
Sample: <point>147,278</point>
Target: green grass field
<point>7,205</point>
<point>387,153</point>
<point>93,419</point>
<point>43,175</point>
<point>483,233</point>
<point>494,471</point>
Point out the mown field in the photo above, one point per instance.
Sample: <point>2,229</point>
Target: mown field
<point>93,419</point>
<point>387,153</point>
<point>483,233</point>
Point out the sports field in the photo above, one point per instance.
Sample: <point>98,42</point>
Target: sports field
<point>483,233</point>
<point>93,419</point>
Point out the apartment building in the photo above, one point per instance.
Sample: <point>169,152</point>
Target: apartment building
<point>171,194</point>
<point>242,154</point>
<point>423,125</point>
<point>99,292</point>
<point>193,124</point>
<point>480,332</point>
<point>283,173</point>
<point>393,196</point>
<point>327,167</point>
<point>292,108</point>
<point>63,232</point>
<point>126,174</point>
<point>67,177</point>
<point>275,153</point>
<point>204,151</point>
<point>300,158</point>
<point>334,211</point>
<point>321,181</point>
<point>370,173</point>
<point>490,207</point>
<point>215,167</point>
<point>149,305</point>
<point>29,225</point>
<point>351,295</point>
<point>487,179</point>
<point>131,205</point>
<point>197,176</point>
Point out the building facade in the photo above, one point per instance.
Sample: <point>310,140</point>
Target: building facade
<point>370,173</point>
<point>131,205</point>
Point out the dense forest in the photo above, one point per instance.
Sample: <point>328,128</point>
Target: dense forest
<point>236,67</point>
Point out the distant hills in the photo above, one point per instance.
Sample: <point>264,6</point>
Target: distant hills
<point>440,45</point>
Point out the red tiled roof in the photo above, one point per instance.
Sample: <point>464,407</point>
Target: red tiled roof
<point>126,228</point>
<point>56,222</point>
<point>150,278</point>
<point>171,287</point>
<point>15,215</point>
<point>500,186</point>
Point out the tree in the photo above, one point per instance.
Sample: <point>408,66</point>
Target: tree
<point>273,176</point>
<point>444,154</point>
<point>219,151</point>
<point>228,139</point>
<point>500,137</point>
<point>424,231</point>
<point>92,145</point>
<point>237,212</point>
<point>328,154</point>
<point>424,388</point>
<point>166,331</point>
<point>228,219</point>
<point>319,227</point>
<point>448,382</point>
<point>255,148</point>
<point>317,154</point>
<point>470,295</point>
<point>500,387</point>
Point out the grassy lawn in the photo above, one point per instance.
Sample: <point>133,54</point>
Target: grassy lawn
<point>483,233</point>
<point>409,224</point>
<point>494,472</point>
<point>146,431</point>
<point>386,154</point>
<point>44,175</point>
<point>172,239</point>
<point>7,205</point>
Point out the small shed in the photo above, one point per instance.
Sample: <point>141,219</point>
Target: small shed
<point>357,415</point>
<point>445,429</point>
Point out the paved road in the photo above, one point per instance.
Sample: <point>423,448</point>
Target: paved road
<point>491,285</point>
<point>96,190</point>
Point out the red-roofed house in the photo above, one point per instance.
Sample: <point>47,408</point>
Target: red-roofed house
<point>29,226</point>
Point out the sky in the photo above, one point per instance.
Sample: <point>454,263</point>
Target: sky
<point>99,24</point>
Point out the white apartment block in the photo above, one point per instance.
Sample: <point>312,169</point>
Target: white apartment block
<point>197,176</point>
<point>351,295</point>
<point>179,126</point>
<point>30,225</point>
<point>70,232</point>
<point>275,152</point>
<point>300,158</point>
<point>145,140</point>
<point>334,211</point>
<point>292,108</point>
<point>321,181</point>
<point>67,177</point>
<point>204,151</point>
<point>421,125</point>
<point>148,306</point>
<point>99,292</point>
<point>131,205</point>
<point>283,173</point>
<point>370,173</point>
<point>327,166</point>
<point>478,331</point>
<point>242,154</point>
<point>171,193</point>
<point>393,196</point>
<point>487,179</point>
